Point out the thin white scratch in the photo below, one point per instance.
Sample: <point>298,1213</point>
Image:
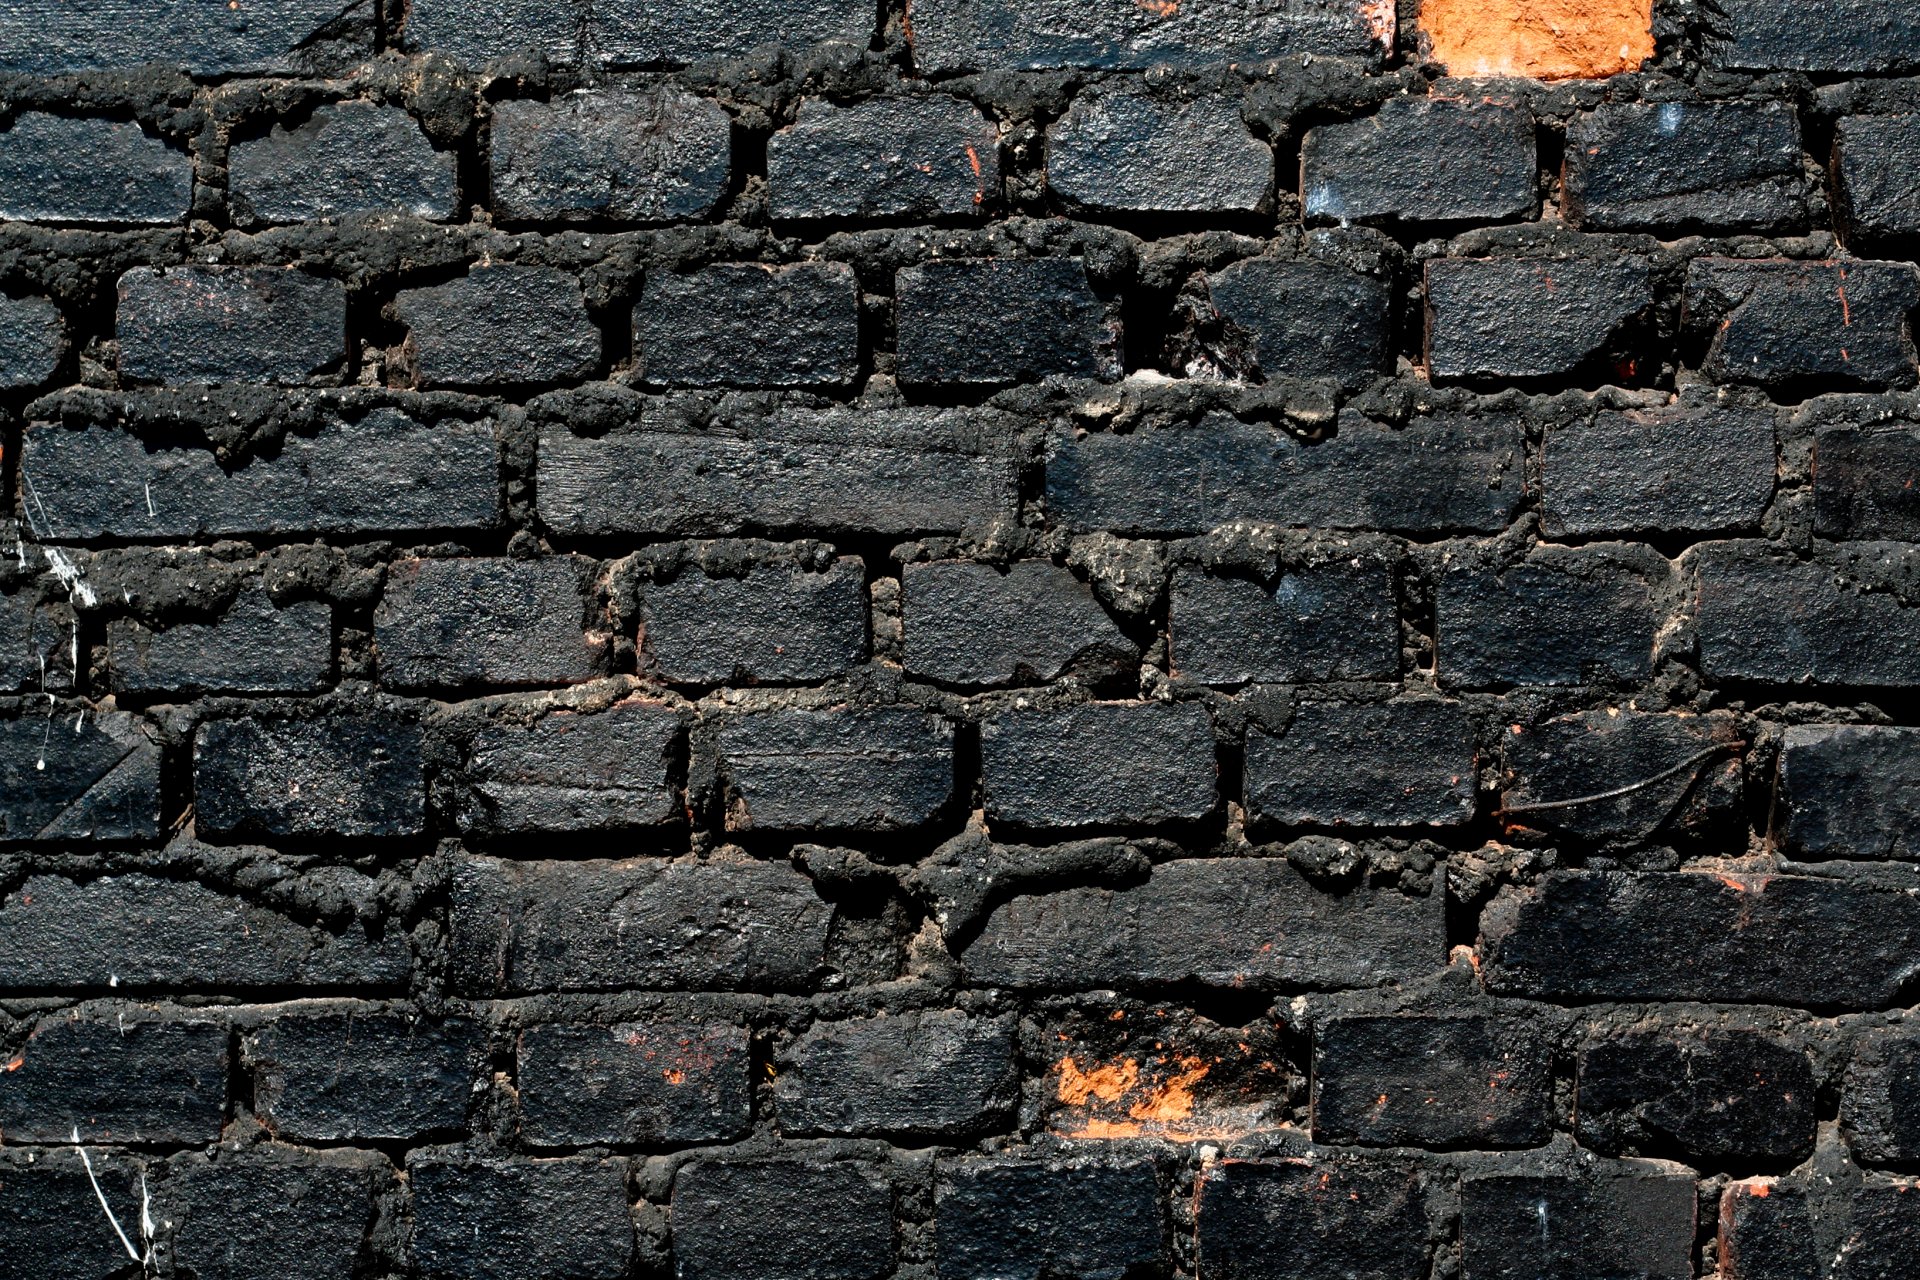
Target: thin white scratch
<point>101,1196</point>
<point>151,513</point>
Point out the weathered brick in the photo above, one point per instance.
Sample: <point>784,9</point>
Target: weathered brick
<point>1863,481</point>
<point>522,927</point>
<point>32,340</point>
<point>363,1074</point>
<point>1611,1218</point>
<point>449,624</point>
<point>1847,35</point>
<point>973,624</point>
<point>1395,764</point>
<point>271,1213</point>
<point>572,771</point>
<point>927,156</point>
<point>809,1220</point>
<point>771,624</point>
<point>1241,922</point>
<point>1129,152</point>
<point>652,156</point>
<point>1431,1080</point>
<point>499,325</point>
<point>1784,325</point>
<point>895,471</point>
<point>1510,318</point>
<point>386,472</point>
<point>1875,198</point>
<point>634,1083</point>
<point>1880,1103</point>
<point>1329,1219</point>
<point>504,1220</point>
<point>1563,615</point>
<point>1099,763</point>
<point>1849,791</point>
<point>254,647</point>
<point>1765,617</point>
<point>36,644</point>
<point>1853,1228</point>
<point>1674,166</point>
<point>1422,160</point>
<point>974,35</point>
<point>96,777</point>
<point>229,324</point>
<point>1678,470</point>
<point>274,36</point>
<point>1305,319</point>
<point>66,169</point>
<point>941,1073</point>
<point>137,931</point>
<point>347,158</point>
<point>1332,621</point>
<point>710,328</point>
<point>651,33</point>
<point>873,769</point>
<point>478,31</point>
<point>351,774</point>
<point>117,1081</point>
<point>1711,1097</point>
<point>1692,936</point>
<point>50,1220</point>
<point>1014,1219</point>
<point>1435,474</point>
<point>978,321</point>
<point>1685,771</point>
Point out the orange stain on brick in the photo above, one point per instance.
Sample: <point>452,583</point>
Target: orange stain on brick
<point>1538,39</point>
<point>1113,1101</point>
<point>1160,8</point>
<point>15,1064</point>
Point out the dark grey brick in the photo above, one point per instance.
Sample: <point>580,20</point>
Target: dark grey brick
<point>1422,160</point>
<point>137,931</point>
<point>36,644</point>
<point>1306,319</point>
<point>1849,791</point>
<point>1098,763</point>
<point>771,624</point>
<point>255,647</point>
<point>499,325</point>
<point>1675,166</point>
<point>1612,1218</point>
<point>572,771</point>
<point>1330,1219</point>
<point>351,774</point>
<point>1679,470</point>
<point>1027,1219</point>
<point>1713,1097</point>
<point>32,340</point>
<point>1123,152</point>
<point>873,769</point>
<point>1563,615</point>
<point>666,32</point>
<point>725,922</point>
<point>1880,1103</point>
<point>940,1073</point>
<point>1396,764</point>
<point>1876,194</point>
<point>386,472</point>
<point>1863,481</point>
<point>1696,936</point>
<point>347,158</point>
<point>974,35</point>
<point>1684,773</point>
<point>274,36</point>
<point>270,1213</point>
<point>1780,1229</point>
<point>1531,317</point>
<point>117,1080</point>
<point>1846,35</point>
<point>973,624</point>
<point>50,1220</point>
<point>1432,1080</point>
<point>645,1083</point>
<point>1252,923</point>
<point>229,324</point>
<point>454,623</point>
<point>711,327</point>
<point>1433,475</point>
<point>355,1075</point>
<point>658,156</point>
<point>80,777</point>
<point>1331,621</point>
<point>1768,617</point>
<point>979,321</point>
<point>1782,324</point>
<point>798,1219</point>
<point>68,169</point>
<point>927,156</point>
<point>505,1220</point>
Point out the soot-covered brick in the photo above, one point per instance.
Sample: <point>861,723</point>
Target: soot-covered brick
<point>926,156</point>
<point>229,324</point>
<point>1849,791</point>
<point>272,1212</point>
<point>1099,763</point>
<point>878,769</point>
<point>1305,319</point>
<point>976,624</point>
<point>1402,763</point>
<point>937,1073</point>
<point>1845,36</point>
<point>1679,470</point>
<point>501,1220</point>
<point>32,340</point>
<point>655,156</point>
<point>1786,325</point>
<point>499,325</point>
<point>1563,615</point>
<point>1531,318</point>
<point>70,169</point>
<point>744,1219</point>
<point>363,1074</point>
<point>347,775</point>
<point>1421,160</point>
<point>254,647</point>
<point>1134,153</point>
<point>347,158</point>
<point>1025,1219</point>
<point>1678,165</point>
<point>986,322</point>
<point>1328,1220</point>
<point>51,1223</point>
<point>1618,775</point>
<point>1432,1080</point>
<point>1332,621</point>
<point>275,36</point>
<point>1875,194</point>
<point>712,327</point>
<point>772,624</point>
<point>1614,1218</point>
<point>1880,1100</point>
<point>448,624</point>
<point>1767,617</point>
<point>1863,481</point>
<point>642,1083</point>
<point>117,1080</point>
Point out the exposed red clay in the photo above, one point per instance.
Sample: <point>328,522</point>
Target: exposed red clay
<point>1538,39</point>
<point>1115,1101</point>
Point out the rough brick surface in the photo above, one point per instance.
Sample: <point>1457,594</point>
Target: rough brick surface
<point>145,1081</point>
<point>214,324</point>
<point>351,775</point>
<point>644,1083</point>
<point>878,769</point>
<point>1877,199</point>
<point>929,156</point>
<point>1028,1218</point>
<point>255,647</point>
<point>1422,160</point>
<point>195,37</point>
<point>1564,615</point>
<point>1431,1080</point>
<point>1631,1218</point>
<point>1350,1219</point>
<point>1712,1098</point>
<point>647,157</point>
<point>711,328</point>
<point>1782,324</point>
<point>68,169</point>
<point>1392,764</point>
<point>347,158</point>
<point>32,340</point>
<point>770,625</point>
<point>1882,1089</point>
<point>253,1217</point>
<point>96,779</point>
<point>1768,619</point>
<point>1132,153</point>
<point>1097,764</point>
<point>1852,35</point>
<point>1681,165</point>
<point>1860,482</point>
<point>494,1220</point>
<point>941,1074</point>
<point>1849,791</point>
<point>737,1219</point>
<point>359,1075</point>
<point>1658,471</point>
<point>499,324</point>
<point>1684,772</point>
<point>1320,622</point>
<point>976,624</point>
<point>565,771</point>
<point>1521,318</point>
<point>986,322</point>
<point>445,624</point>
<point>1305,319</point>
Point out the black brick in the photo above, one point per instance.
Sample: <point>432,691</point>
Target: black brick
<point>941,1073</point>
<point>1880,1103</point>
<point>212,40</point>
<point>1563,615</point>
<point>63,169</point>
<point>347,158</point>
<point>261,1217</point>
<point>1099,763</point>
<point>928,156</point>
<point>499,325</point>
<point>1680,165</point>
<point>1013,1219</point>
<point>496,1220</point>
<point>1626,1218</point>
<point>50,1220</point>
<point>1393,764</point>
<point>36,644</point>
<point>646,34</point>
<point>1422,160</point>
<point>363,1074</point>
<point>32,340</point>
<point>229,324</point>
<point>770,624</point>
<point>1784,324</point>
<point>117,1080</point>
<point>751,1219</point>
<point>1332,621</point>
<point>711,328</point>
<point>1874,198</point>
<point>1863,482</point>
<point>1431,1080</point>
<point>879,769</point>
<point>1680,470</point>
<point>1330,1220</point>
<point>573,771</point>
<point>450,624</point>
<point>657,156</point>
<point>1305,319</point>
<point>1679,780</point>
<point>1848,1229</point>
<point>1513,318</point>
<point>987,321</point>
<point>1765,617</point>
<point>645,1083</point>
<point>254,647</point>
<point>1845,35</point>
<point>1123,152</point>
<point>1849,791</point>
<point>972,624</point>
<point>347,775</point>
<point>93,777</point>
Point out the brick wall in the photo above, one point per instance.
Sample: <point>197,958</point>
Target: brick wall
<point>1072,640</point>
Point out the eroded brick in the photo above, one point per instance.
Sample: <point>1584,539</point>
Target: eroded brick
<point>254,647</point>
<point>1713,1097</point>
<point>745,1219</point>
<point>351,774</point>
<point>271,1213</point>
<point>1431,1080</point>
<point>1849,791</point>
<point>645,1083</point>
<point>939,1073</point>
<point>1305,319</point>
<point>32,341</point>
<point>1679,470</point>
<point>1784,325</point>
<point>1402,763</point>
<point>1675,166</point>
<point>927,156</point>
<point>974,624</point>
<point>1863,481</point>
<point>68,169</point>
<point>1523,318</point>
<point>347,158</point>
<point>1122,152</point>
<point>1876,197</point>
<point>872,769</point>
<point>1422,160</point>
<point>453,623</point>
<point>1880,1101</point>
<point>710,328</point>
<point>573,771</point>
<point>769,624</point>
<point>499,325</point>
<point>658,156</point>
<point>1099,763</point>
